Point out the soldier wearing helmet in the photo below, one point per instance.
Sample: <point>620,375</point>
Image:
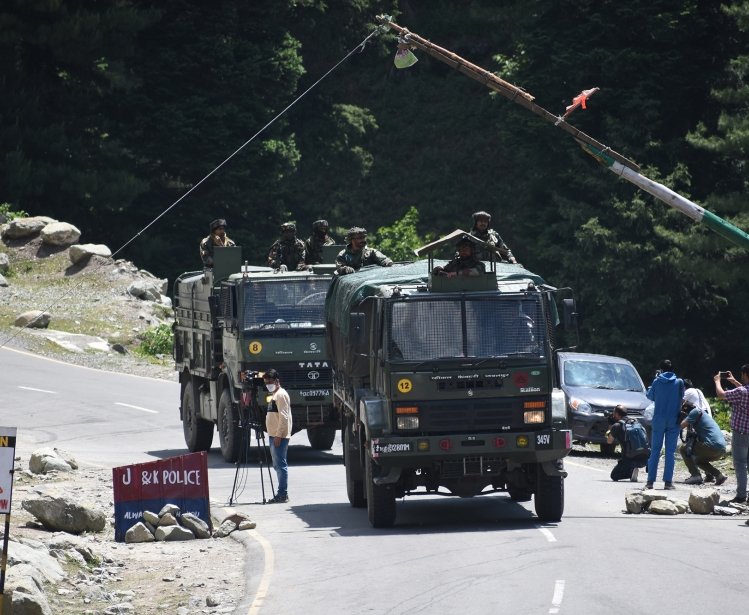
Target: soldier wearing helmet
<point>315,242</point>
<point>287,254</point>
<point>216,237</point>
<point>465,263</point>
<point>356,254</point>
<point>481,230</point>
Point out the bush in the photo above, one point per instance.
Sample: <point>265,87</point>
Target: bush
<point>157,340</point>
<point>7,211</point>
<point>721,412</point>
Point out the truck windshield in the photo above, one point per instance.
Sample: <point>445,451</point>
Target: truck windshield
<point>421,330</point>
<point>285,303</point>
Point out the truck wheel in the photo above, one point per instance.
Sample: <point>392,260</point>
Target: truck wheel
<point>229,433</point>
<point>380,499</point>
<point>354,486</point>
<point>549,502</point>
<point>321,438</point>
<point>198,432</point>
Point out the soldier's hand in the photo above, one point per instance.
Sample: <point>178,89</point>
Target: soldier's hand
<point>347,269</point>
<point>283,268</point>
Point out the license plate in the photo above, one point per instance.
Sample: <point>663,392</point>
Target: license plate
<point>388,448</point>
<point>544,440</point>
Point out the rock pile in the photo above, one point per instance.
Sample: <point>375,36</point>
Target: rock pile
<point>701,502</point>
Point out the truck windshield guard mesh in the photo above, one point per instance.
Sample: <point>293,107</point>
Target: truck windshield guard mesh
<point>602,375</point>
<point>285,303</point>
<point>422,330</point>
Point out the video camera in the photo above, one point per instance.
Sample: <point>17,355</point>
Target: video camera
<point>252,384</point>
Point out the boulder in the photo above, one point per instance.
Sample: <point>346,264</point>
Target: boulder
<point>3,281</point>
<point>663,507</point>
<point>4,263</point>
<point>681,506</point>
<point>167,519</point>
<point>36,558</point>
<point>139,533</point>
<point>26,597</point>
<point>60,234</point>
<point>80,253</point>
<point>147,290</point>
<point>44,460</point>
<point>634,502</point>
<point>196,525</point>
<point>61,512</point>
<point>151,517</point>
<point>21,228</point>
<point>172,533</point>
<point>35,319</point>
<point>703,501</point>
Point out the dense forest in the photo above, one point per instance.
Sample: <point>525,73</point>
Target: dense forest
<point>112,111</point>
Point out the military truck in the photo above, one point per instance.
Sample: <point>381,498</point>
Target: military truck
<point>234,321</point>
<point>448,384</point>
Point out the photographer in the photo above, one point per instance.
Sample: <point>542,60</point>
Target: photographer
<point>278,424</point>
<point>626,467</point>
<point>739,400</point>
<point>705,442</point>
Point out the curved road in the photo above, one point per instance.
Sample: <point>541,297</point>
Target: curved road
<point>318,555</point>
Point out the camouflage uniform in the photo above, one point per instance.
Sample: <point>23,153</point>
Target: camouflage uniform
<point>288,251</point>
<point>208,243</point>
<point>349,261</point>
<point>315,242</point>
<point>491,237</point>
<point>459,265</point>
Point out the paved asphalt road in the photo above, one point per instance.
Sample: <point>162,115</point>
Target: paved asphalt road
<point>317,555</point>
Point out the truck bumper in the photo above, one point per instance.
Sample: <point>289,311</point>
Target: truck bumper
<point>418,451</point>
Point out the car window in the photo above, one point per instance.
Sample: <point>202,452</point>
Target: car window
<point>602,375</point>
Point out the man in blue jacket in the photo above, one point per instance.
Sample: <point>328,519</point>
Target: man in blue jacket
<point>667,391</point>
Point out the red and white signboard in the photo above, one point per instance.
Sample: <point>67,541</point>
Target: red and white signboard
<point>7,455</point>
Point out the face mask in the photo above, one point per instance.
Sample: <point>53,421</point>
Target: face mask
<point>271,387</point>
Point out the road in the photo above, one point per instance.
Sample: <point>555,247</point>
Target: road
<point>318,555</point>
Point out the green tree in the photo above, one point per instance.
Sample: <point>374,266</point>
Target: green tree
<point>400,239</point>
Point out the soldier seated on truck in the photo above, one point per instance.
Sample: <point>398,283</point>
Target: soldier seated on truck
<point>465,263</point>
<point>356,254</point>
<point>287,254</point>
<point>217,237</point>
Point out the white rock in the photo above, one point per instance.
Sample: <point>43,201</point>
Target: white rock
<point>60,234</point>
<point>84,251</point>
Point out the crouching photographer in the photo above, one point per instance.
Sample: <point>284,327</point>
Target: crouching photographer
<point>631,436</point>
<point>704,443</point>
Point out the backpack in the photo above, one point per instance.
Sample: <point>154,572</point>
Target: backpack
<point>635,440</point>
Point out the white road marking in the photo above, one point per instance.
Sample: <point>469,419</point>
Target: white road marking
<point>119,403</point>
<point>580,465</point>
<point>38,390</point>
<point>556,600</point>
<point>547,533</point>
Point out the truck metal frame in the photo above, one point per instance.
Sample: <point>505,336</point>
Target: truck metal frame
<point>448,384</point>
<point>233,322</point>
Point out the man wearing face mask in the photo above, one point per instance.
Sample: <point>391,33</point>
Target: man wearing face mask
<point>278,423</point>
<point>315,242</point>
<point>357,255</point>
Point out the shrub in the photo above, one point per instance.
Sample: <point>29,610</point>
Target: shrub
<point>157,340</point>
<point>7,211</point>
<point>721,412</point>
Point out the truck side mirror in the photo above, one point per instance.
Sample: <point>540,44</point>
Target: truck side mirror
<point>358,332</point>
<point>569,314</point>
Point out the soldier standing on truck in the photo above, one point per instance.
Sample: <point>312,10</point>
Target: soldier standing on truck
<point>278,423</point>
<point>315,242</point>
<point>356,254</point>
<point>217,237</point>
<point>465,263</point>
<point>287,254</point>
<point>481,230</point>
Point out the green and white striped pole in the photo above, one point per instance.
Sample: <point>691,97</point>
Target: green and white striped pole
<point>699,214</point>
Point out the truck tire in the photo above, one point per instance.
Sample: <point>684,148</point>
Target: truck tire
<point>229,432</point>
<point>321,438</point>
<point>549,499</point>
<point>380,499</point>
<point>198,432</point>
<point>354,486</point>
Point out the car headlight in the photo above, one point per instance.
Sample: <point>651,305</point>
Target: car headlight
<point>581,406</point>
<point>647,414</point>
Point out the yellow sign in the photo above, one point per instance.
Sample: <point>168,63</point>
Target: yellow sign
<point>256,347</point>
<point>405,385</point>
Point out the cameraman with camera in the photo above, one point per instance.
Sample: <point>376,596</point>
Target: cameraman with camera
<point>738,398</point>
<point>704,443</point>
<point>278,425</point>
<point>627,466</point>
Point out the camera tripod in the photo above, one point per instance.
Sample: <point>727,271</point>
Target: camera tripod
<point>250,418</point>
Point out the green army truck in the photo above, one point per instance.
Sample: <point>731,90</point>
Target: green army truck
<point>234,321</point>
<point>448,384</point>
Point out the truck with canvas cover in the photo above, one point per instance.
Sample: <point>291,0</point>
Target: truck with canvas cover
<point>448,384</point>
<point>234,321</point>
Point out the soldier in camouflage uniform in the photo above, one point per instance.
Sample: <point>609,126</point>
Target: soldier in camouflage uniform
<point>217,237</point>
<point>465,263</point>
<point>287,254</point>
<point>481,230</point>
<point>315,242</point>
<point>357,255</point>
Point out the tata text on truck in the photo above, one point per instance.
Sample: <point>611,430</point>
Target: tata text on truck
<point>233,321</point>
<point>447,384</point>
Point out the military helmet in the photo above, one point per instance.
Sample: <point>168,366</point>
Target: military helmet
<point>355,231</point>
<point>465,241</point>
<point>320,224</point>
<point>482,214</point>
<point>288,226</point>
<point>217,223</point>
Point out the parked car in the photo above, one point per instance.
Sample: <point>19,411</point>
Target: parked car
<point>593,384</point>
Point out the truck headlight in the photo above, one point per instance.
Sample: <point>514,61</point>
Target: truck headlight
<point>407,422</point>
